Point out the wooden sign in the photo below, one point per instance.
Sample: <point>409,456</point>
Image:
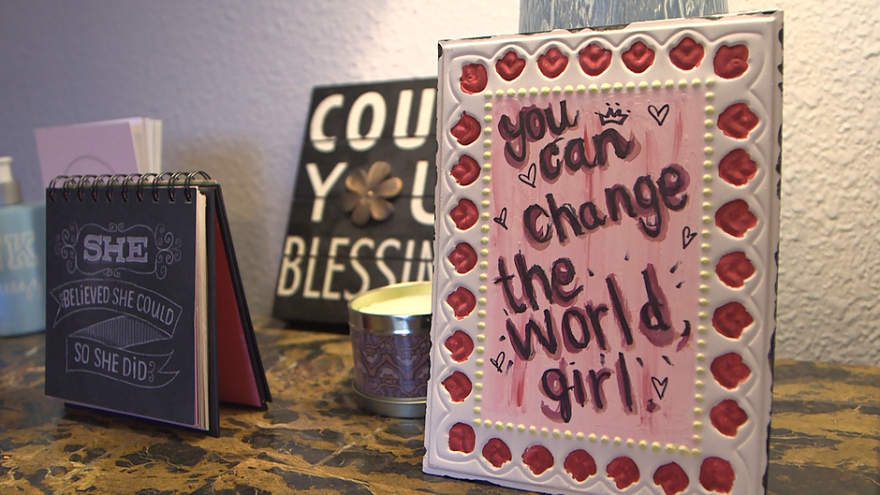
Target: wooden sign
<point>362,213</point>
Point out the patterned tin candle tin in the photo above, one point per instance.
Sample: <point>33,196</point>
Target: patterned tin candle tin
<point>391,339</point>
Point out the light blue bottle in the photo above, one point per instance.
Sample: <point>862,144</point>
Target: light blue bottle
<point>22,259</point>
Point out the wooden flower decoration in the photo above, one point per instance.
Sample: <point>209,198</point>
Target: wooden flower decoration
<point>368,193</point>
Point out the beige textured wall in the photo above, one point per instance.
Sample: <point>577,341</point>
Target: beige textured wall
<point>829,280</point>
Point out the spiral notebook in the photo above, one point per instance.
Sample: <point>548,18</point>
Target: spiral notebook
<point>145,310</point>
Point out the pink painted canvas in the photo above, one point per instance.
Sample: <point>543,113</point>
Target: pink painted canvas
<point>615,357</point>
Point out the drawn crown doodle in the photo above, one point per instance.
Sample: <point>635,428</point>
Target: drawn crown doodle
<point>612,116</point>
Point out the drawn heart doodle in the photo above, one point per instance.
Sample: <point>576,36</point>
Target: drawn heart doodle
<point>687,236</point>
<point>529,178</point>
<point>660,386</point>
<point>501,219</point>
<point>498,362</point>
<point>659,114</point>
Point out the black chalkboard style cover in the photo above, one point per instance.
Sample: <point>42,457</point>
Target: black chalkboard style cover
<point>145,313</point>
<point>362,213</point>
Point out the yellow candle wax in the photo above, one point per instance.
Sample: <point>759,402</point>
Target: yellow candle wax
<point>417,304</point>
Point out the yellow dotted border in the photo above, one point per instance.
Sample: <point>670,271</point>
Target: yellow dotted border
<point>657,447</point>
<point>594,89</point>
<point>483,264</point>
<point>705,269</point>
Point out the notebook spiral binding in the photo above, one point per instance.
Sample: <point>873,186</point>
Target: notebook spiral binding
<point>120,183</point>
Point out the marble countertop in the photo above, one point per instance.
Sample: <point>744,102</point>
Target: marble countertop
<point>825,433</point>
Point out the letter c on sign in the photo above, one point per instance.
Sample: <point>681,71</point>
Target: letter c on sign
<point>321,141</point>
<point>364,142</point>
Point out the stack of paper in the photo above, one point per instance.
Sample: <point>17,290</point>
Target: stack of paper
<point>124,146</point>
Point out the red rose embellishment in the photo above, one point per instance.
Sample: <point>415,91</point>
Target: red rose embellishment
<point>463,257</point>
<point>735,218</point>
<point>716,475</point>
<point>731,61</point>
<point>460,345</point>
<point>496,452</point>
<point>473,78</point>
<point>466,171</point>
<point>687,54</point>
<point>737,167</point>
<point>594,59</point>
<point>462,438</point>
<point>729,370</point>
<point>538,459</point>
<point>737,120</point>
<point>727,417</point>
<point>671,478</point>
<point>466,130</point>
<point>552,63</point>
<point>638,58</point>
<point>510,66</point>
<point>731,319</point>
<point>464,214</point>
<point>462,302</point>
<point>623,471</point>
<point>579,464</point>
<point>734,268</point>
<point>458,385</point>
